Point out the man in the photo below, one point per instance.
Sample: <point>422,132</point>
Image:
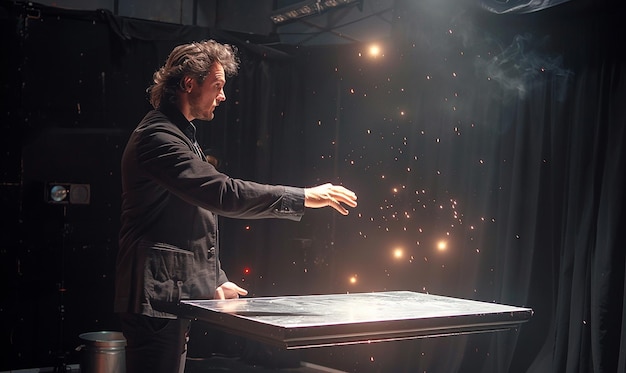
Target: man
<point>171,197</point>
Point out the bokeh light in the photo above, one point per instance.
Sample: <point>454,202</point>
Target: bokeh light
<point>374,50</point>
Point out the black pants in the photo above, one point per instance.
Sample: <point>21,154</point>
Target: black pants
<point>155,344</point>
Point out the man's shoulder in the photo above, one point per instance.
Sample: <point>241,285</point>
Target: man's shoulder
<point>156,121</point>
<point>155,118</point>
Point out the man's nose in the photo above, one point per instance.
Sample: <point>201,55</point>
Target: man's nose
<point>221,96</point>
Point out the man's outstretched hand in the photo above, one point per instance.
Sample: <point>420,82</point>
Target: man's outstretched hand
<point>331,195</point>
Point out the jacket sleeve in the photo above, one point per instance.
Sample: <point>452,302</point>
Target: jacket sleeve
<point>166,156</point>
<point>221,276</point>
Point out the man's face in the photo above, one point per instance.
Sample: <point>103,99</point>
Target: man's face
<point>205,97</point>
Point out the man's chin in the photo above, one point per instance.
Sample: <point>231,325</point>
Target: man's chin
<point>208,117</point>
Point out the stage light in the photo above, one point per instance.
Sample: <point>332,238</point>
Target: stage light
<point>58,193</point>
<point>308,8</point>
<point>374,50</point>
<point>442,245</point>
<point>68,193</point>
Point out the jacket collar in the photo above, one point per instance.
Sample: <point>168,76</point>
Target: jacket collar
<point>174,114</point>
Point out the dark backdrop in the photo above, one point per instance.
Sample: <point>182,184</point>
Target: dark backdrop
<point>500,135</point>
<point>503,136</point>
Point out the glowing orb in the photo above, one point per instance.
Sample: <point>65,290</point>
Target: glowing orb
<point>374,50</point>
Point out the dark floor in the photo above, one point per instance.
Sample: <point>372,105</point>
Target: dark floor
<point>213,365</point>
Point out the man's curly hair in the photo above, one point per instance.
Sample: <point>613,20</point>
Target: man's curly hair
<point>194,60</point>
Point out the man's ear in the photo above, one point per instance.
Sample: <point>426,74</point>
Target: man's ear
<point>186,84</point>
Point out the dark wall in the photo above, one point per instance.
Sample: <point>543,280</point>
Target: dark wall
<point>70,103</point>
<point>74,87</point>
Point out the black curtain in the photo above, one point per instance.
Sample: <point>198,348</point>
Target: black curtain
<point>505,136</point>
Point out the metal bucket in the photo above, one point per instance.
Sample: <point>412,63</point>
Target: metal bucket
<point>103,352</point>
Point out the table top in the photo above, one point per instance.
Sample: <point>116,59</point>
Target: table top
<point>333,319</point>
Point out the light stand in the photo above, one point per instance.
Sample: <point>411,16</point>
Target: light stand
<point>64,194</point>
<point>61,363</point>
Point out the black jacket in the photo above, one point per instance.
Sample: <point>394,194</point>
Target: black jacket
<point>170,201</point>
